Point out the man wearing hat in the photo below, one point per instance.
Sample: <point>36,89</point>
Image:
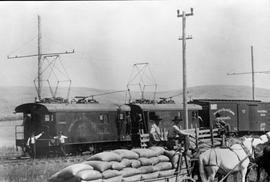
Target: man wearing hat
<point>175,135</point>
<point>155,133</point>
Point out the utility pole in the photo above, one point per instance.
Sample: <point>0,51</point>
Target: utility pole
<point>184,38</point>
<point>40,57</point>
<point>39,61</point>
<point>252,73</point>
<point>252,70</point>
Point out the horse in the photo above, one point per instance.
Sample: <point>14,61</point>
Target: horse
<point>263,160</point>
<point>227,160</point>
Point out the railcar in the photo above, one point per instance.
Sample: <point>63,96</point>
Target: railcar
<point>244,116</point>
<point>94,126</point>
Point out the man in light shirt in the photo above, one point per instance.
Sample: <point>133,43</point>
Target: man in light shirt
<point>31,143</point>
<point>61,142</point>
<point>155,132</point>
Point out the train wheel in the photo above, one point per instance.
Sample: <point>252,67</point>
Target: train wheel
<point>186,179</point>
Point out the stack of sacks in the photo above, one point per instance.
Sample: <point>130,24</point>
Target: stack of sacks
<point>76,173</point>
<point>154,164</point>
<point>130,161</point>
<point>108,164</point>
<point>121,166</point>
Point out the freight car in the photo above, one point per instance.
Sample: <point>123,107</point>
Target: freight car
<point>244,116</point>
<point>94,126</point>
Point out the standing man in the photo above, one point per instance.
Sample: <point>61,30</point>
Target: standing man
<point>176,135</point>
<point>31,143</point>
<point>61,142</point>
<point>155,133</point>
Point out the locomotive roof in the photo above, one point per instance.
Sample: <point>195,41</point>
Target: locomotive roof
<point>28,107</point>
<point>164,107</point>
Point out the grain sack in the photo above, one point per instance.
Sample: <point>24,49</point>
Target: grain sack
<point>158,150</point>
<point>126,162</point>
<point>113,179</point>
<point>105,156</point>
<point>99,165</point>
<point>126,172</point>
<point>145,152</point>
<point>88,175</point>
<point>135,163</point>
<point>163,158</point>
<point>150,175</point>
<point>132,178</point>
<point>146,169</point>
<point>163,166</point>
<point>145,161</point>
<point>96,180</point>
<point>173,156</point>
<point>69,172</point>
<point>127,154</point>
<point>110,174</point>
<point>165,173</point>
<point>154,160</point>
<point>117,165</point>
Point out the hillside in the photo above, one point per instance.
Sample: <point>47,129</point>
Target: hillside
<point>10,97</point>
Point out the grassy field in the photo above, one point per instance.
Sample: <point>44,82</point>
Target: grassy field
<point>38,170</point>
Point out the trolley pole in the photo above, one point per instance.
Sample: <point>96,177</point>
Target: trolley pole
<point>184,38</point>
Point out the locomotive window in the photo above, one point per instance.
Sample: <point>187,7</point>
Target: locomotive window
<point>47,117</point>
<point>121,116</point>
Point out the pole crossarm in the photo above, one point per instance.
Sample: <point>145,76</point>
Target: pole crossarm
<point>186,14</point>
<point>45,54</point>
<point>246,73</point>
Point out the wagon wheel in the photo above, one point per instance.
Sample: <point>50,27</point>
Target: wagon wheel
<point>186,179</point>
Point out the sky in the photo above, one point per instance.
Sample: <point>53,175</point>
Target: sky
<point>109,37</point>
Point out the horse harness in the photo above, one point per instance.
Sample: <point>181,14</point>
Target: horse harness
<point>240,161</point>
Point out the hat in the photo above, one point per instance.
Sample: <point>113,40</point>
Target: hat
<point>177,118</point>
<point>156,118</point>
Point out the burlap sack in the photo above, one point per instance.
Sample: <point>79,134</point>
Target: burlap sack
<point>134,178</point>
<point>165,173</point>
<point>146,169</point>
<point>88,175</point>
<point>163,158</point>
<point>110,174</point>
<point>135,163</point>
<point>117,165</point>
<point>113,179</point>
<point>69,172</point>
<point>105,156</point>
<point>163,166</point>
<point>157,150</point>
<point>127,154</point>
<point>152,175</point>
<point>147,153</point>
<point>126,172</point>
<point>99,165</point>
